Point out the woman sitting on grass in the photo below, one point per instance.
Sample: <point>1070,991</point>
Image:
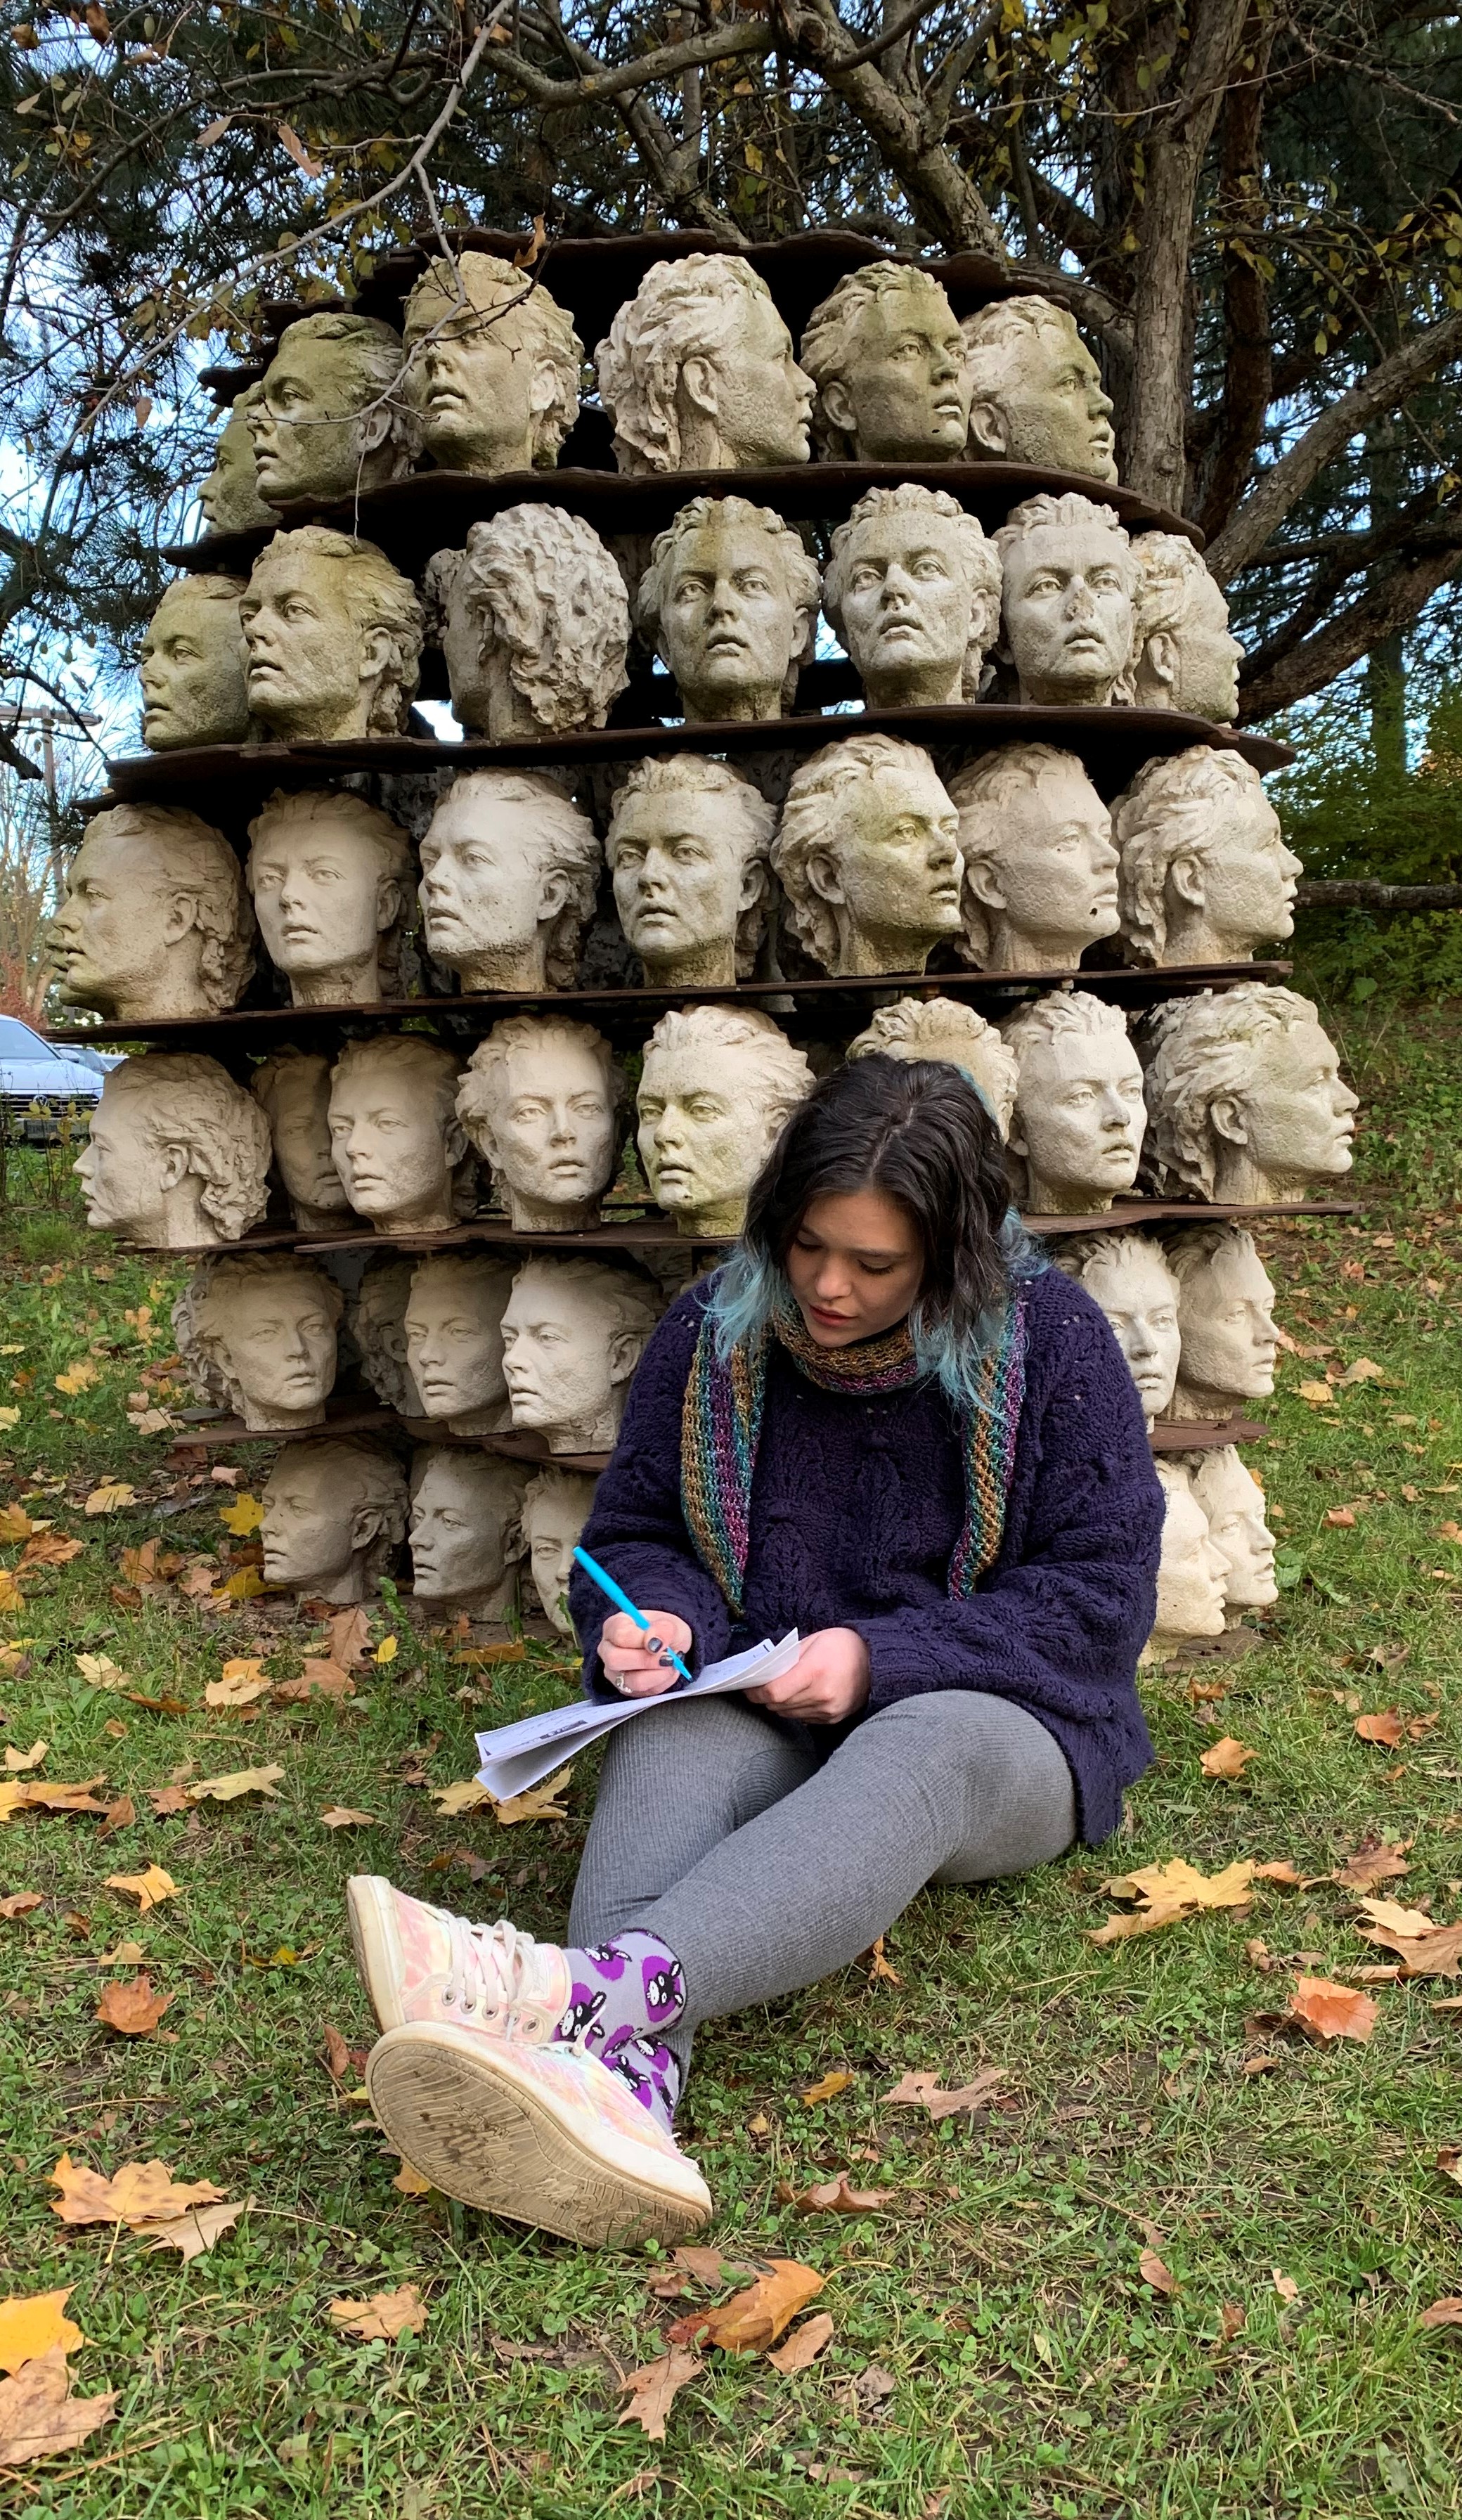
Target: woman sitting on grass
<point>888,1423</point>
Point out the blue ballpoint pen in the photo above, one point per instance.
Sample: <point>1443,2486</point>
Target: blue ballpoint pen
<point>622,1602</point>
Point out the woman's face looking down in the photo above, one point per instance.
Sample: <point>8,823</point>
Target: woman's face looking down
<point>855,1266</point>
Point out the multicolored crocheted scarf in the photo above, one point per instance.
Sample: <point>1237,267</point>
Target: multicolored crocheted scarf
<point>721,1426</point>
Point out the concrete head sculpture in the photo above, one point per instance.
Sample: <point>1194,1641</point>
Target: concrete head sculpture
<point>573,1332</point>
<point>1129,1277</point>
<point>330,877</point>
<point>334,1512</point>
<point>942,1028</point>
<point>716,1087</point>
<point>291,1087</point>
<point>378,1327</point>
<point>467,1529</point>
<point>687,849</point>
<point>492,366</point>
<point>1039,869</point>
<point>230,497</point>
<point>1205,873</point>
<point>394,1132</point>
<point>1079,1112</point>
<point>330,420</point>
<point>1226,1320</point>
<point>1034,389</point>
<point>869,856</point>
<point>334,639</point>
<point>533,623</point>
<point>509,870</point>
<point>730,600</point>
<point>914,592</point>
<point>1234,1502</point>
<point>155,920</point>
<point>1247,1099</point>
<point>557,1504</point>
<point>454,1339</point>
<point>697,372</point>
<point>1187,656</point>
<point>1070,581</point>
<point>192,670</point>
<point>258,1332</point>
<point>888,361</point>
<point>538,1099</point>
<point>1190,1572</point>
<point>177,1156</point>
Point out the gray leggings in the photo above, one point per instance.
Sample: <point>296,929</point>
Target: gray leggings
<point>762,1872</point>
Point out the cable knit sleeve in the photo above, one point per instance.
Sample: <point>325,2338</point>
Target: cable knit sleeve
<point>636,1530</point>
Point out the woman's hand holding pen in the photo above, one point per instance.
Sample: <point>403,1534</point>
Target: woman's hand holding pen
<point>634,1658</point>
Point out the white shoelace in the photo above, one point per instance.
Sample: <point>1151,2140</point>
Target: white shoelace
<point>488,1964</point>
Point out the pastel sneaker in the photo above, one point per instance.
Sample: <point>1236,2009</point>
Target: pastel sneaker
<point>421,1964</point>
<point>542,2136</point>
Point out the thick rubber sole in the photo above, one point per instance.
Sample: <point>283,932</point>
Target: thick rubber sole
<point>374,1941</point>
<point>468,2114</point>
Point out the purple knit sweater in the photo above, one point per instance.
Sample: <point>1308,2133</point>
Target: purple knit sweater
<point>856,1507</point>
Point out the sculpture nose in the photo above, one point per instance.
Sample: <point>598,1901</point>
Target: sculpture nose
<point>1080,602</point>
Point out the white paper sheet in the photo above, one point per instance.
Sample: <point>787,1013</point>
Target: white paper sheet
<point>520,1755</point>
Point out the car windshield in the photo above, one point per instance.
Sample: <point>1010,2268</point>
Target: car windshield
<point>17,1041</point>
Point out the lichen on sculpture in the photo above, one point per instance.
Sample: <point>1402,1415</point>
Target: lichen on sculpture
<point>687,847</point>
<point>534,623</point>
<point>1191,1572</point>
<point>192,666</point>
<point>375,1318</point>
<point>573,1332</point>
<point>334,639</point>
<point>1039,868</point>
<point>942,1028</point>
<point>717,1084</point>
<point>454,1339</point>
<point>466,1530</point>
<point>539,1099</point>
<point>1225,1321</point>
<point>913,589</point>
<point>1233,1501</point>
<point>1247,1101</point>
<point>868,853</point>
<point>257,1330</point>
<point>1186,656</point>
<point>1035,391</point>
<point>177,1156</point>
<point>492,366</point>
<point>509,872</point>
<point>888,360</point>
<point>156,921</point>
<point>1128,1274</point>
<point>729,601</point>
<point>230,497</point>
<point>330,420</point>
<point>333,1513</point>
<point>397,1142</point>
<point>331,884</point>
<point>697,372</point>
<point>1205,873</point>
<point>1068,609</point>
<point>291,1087</point>
<point>557,1504</point>
<point>1076,1134</point>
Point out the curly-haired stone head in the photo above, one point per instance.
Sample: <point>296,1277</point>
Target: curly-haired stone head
<point>914,592</point>
<point>1205,873</point>
<point>257,1331</point>
<point>376,1318</point>
<point>730,600</point>
<point>394,1132</point>
<point>330,878</point>
<point>192,667</point>
<point>533,623</point>
<point>334,1512</point>
<point>1191,1572</point>
<point>230,497</point>
<point>697,372</point>
<point>509,870</point>
<point>467,1529</point>
<point>539,1099</point>
<point>330,420</point>
<point>1069,584</point>
<point>557,1504</point>
<point>454,1338</point>
<point>888,361</point>
<point>1039,869</point>
<point>177,1155</point>
<point>867,852</point>
<point>1225,1321</point>
<point>573,1332</point>
<point>492,366</point>
<point>716,1086</point>
<point>1187,656</point>
<point>1129,1277</point>
<point>334,639</point>
<point>1079,1118</point>
<point>156,921</point>
<point>1034,389</point>
<point>688,848</point>
<point>942,1028</point>
<point>1247,1099</point>
<point>291,1087</point>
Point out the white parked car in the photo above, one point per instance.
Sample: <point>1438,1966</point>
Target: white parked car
<point>41,1082</point>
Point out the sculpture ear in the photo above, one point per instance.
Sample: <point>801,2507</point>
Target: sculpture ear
<point>824,876</point>
<point>982,880</point>
<point>802,622</point>
<point>455,1143</point>
<point>1161,657</point>
<point>364,1526</point>
<point>378,651</point>
<point>697,383</point>
<point>375,425</point>
<point>180,915</point>
<point>387,903</point>
<point>986,428</point>
<point>837,405</point>
<point>543,389</point>
<point>624,1351</point>
<point>173,1167</point>
<point>553,897</point>
<point>753,884</point>
<point>1185,874</point>
<point>1225,1117</point>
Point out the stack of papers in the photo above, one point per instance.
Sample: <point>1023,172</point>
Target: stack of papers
<point>520,1755</point>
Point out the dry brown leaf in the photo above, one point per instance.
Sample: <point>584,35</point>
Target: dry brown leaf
<point>1169,1891</point>
<point>37,1796</point>
<point>11,1595</point>
<point>1318,1394</point>
<point>49,1549</point>
<point>349,1632</point>
<point>1450,2163</point>
<point>1408,1922</point>
<point>1333,2011</point>
<point>141,2191</point>
<point>832,2196</point>
<point>340,1816</point>
<point>1227,1758</point>
<point>1230,2320</point>
<point>242,1780</point>
<point>1285,2285</point>
<point>1283,1872</point>
<point>1386,1729</point>
<point>102,1671</point>
<point>35,2324</point>
<point>652,2390</point>
<point>1364,1370</point>
<point>383,2314</point>
<point>319,1679</point>
<point>228,1692</point>
<point>924,2091</point>
<point>133,2009</point>
<point>38,2413</point>
<point>803,2346</point>
<point>1339,1519</point>
<point>148,1888</point>
<point>1446,2312</point>
<point>827,2089</point>
<point>17,1763</point>
<point>1153,2273</point>
<point>109,1497</point>
<point>195,2231</point>
<point>14,1522</point>
<point>707,2265</point>
<point>121,1814</point>
<point>410,2183</point>
<point>466,1796</point>
<point>880,1967</point>
<point>754,2318</point>
<point>20,1904</point>
<point>167,1801</point>
<point>1373,1864</point>
<point>1438,1953</point>
<point>540,1802</point>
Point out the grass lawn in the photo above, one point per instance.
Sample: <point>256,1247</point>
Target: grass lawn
<point>996,2348</point>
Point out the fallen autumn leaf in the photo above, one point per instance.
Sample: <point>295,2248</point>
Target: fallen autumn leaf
<point>652,2389</point>
<point>133,2009</point>
<point>38,2413</point>
<point>33,2324</point>
<point>384,2315</point>
<point>1333,2011</point>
